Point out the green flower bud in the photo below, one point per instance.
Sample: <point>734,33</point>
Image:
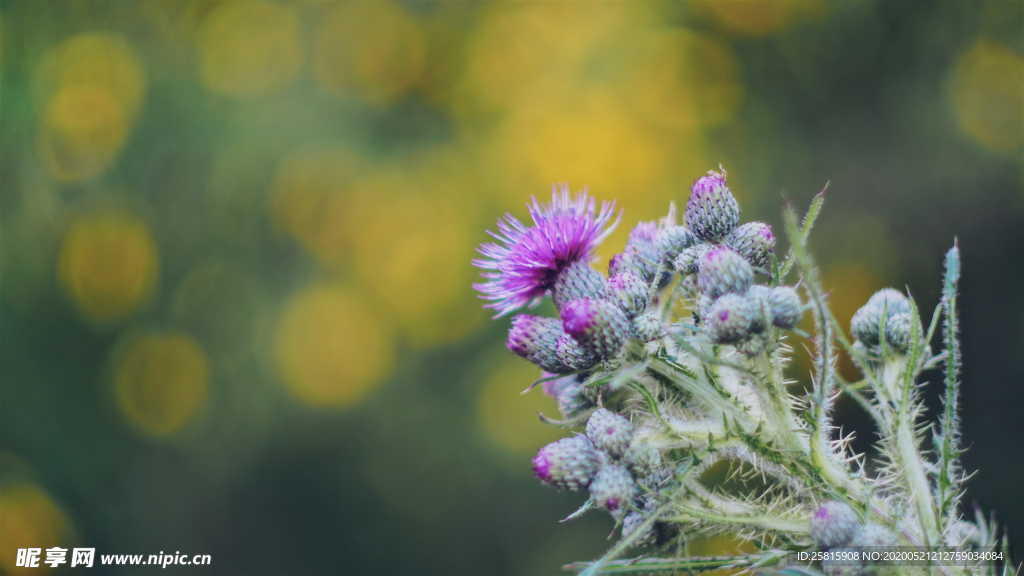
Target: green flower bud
<point>672,241</point>
<point>868,320</point>
<point>712,211</point>
<point>613,489</point>
<point>688,261</point>
<point>897,331</point>
<point>873,536</point>
<point>754,241</point>
<point>730,319</point>
<point>723,271</point>
<point>610,432</point>
<point>786,308</point>
<point>570,463</point>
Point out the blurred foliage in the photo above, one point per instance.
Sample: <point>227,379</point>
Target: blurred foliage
<point>235,291</point>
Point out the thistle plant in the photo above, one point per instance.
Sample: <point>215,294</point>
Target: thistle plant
<point>675,362</point>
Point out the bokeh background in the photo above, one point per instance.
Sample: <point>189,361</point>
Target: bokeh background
<point>235,301</point>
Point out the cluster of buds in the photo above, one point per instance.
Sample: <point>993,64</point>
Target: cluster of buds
<point>617,471</point>
<point>885,318</point>
<point>664,396</point>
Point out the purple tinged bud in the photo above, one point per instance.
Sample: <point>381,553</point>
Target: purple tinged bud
<point>834,524</point>
<point>712,211</point>
<point>569,464</point>
<point>730,320</point>
<point>613,488</point>
<point>610,432</point>
<point>536,338</point>
<point>723,271</point>
<point>600,326</point>
<point>755,241</point>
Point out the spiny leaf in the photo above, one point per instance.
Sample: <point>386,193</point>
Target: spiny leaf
<point>949,449</point>
<point>806,225</point>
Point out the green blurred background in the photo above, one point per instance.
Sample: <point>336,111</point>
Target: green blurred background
<point>235,298</point>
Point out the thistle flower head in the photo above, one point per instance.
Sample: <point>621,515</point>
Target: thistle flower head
<point>569,463</point>
<point>712,211</point>
<point>526,260</point>
<point>630,292</point>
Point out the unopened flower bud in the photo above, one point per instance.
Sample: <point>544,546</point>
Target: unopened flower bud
<point>730,319</point>
<point>599,326</point>
<point>672,241</point>
<point>834,524</point>
<point>633,522</point>
<point>897,331</point>
<point>570,463</point>
<point>577,281</point>
<point>648,326</point>
<point>536,339</point>
<point>867,322</point>
<point>723,271</point>
<point>755,241</point>
<point>572,355</point>
<point>759,299</point>
<point>712,211</point>
<point>630,291</point>
<point>688,261</point>
<point>613,488</point>
<point>610,432</point>
<point>786,308</point>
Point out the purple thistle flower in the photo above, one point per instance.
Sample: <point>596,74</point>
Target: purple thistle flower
<point>525,261</point>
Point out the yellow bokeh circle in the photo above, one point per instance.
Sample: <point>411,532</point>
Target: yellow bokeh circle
<point>29,518</point>
<point>92,86</point>
<point>161,381</point>
<point>250,47</point>
<point>330,349</point>
<point>509,418</point>
<point>418,266</point>
<point>309,201</point>
<point>987,92</point>
<point>369,49</point>
<point>108,264</point>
